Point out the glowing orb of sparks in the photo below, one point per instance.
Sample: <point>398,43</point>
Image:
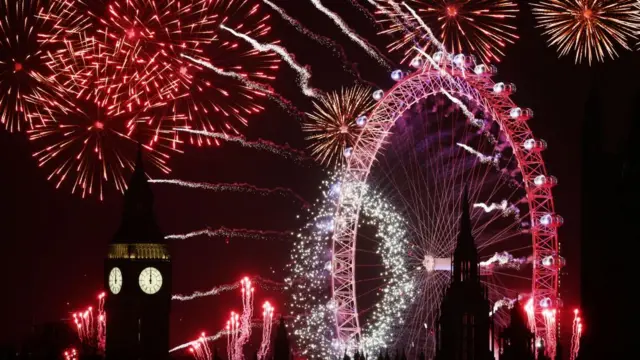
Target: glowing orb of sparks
<point>333,126</point>
<point>591,28</point>
<point>17,66</point>
<point>98,125</point>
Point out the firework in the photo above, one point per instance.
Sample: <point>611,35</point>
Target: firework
<point>89,148</point>
<point>332,127</point>
<point>91,328</point>
<point>234,187</point>
<point>304,76</point>
<point>576,335</point>
<point>24,62</point>
<point>504,206</point>
<point>231,233</point>
<point>368,48</point>
<point>245,319</point>
<point>285,151</point>
<point>591,28</point>
<point>267,322</point>
<point>212,292</point>
<point>481,27</point>
<point>200,349</point>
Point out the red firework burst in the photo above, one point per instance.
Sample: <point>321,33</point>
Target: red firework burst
<point>480,27</point>
<point>24,61</point>
<point>87,147</point>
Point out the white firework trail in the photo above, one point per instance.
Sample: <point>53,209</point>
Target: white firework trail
<point>550,327</point>
<point>504,259</point>
<point>351,34</point>
<point>200,294</point>
<point>483,158</point>
<point>200,349</point>
<point>232,335</point>
<point>267,322</point>
<point>284,151</point>
<point>506,208</point>
<point>432,37</point>
<point>304,76</point>
<point>364,10</point>
<point>470,116</point>
<point>231,233</point>
<point>259,88</point>
<point>245,319</point>
<point>508,302</point>
<point>215,337</point>
<point>234,187</point>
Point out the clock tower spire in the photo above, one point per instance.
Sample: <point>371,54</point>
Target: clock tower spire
<point>138,276</point>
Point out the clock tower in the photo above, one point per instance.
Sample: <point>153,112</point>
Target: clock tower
<point>138,279</point>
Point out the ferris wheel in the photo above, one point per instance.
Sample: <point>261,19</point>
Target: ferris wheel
<point>382,240</point>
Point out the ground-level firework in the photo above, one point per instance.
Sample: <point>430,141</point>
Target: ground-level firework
<point>370,268</point>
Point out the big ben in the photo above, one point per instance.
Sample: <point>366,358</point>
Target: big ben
<point>138,279</point>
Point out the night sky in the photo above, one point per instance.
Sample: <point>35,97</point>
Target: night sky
<point>54,243</point>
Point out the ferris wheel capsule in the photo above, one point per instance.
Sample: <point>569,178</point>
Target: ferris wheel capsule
<point>397,75</point>
<point>521,114</point>
<point>485,70</point>
<point>438,56</point>
<point>554,261</point>
<point>504,88</point>
<point>551,220</point>
<point>361,120</point>
<point>545,181</point>
<point>534,145</point>
<point>459,60</point>
<point>378,94</point>
<point>417,62</point>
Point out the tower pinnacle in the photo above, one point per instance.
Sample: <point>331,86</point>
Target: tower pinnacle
<point>465,256</point>
<point>138,219</point>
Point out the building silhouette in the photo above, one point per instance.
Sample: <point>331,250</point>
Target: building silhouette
<point>464,329</point>
<point>281,344</point>
<point>517,341</point>
<point>138,279</point>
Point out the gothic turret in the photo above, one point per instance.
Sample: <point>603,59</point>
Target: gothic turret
<point>464,329</point>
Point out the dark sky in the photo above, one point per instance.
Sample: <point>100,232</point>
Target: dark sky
<point>53,243</point>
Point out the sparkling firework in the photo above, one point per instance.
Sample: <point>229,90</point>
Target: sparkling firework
<point>576,335</point>
<point>483,158</point>
<point>504,206</point>
<point>550,323</point>
<point>232,233</point>
<point>87,147</point>
<point>200,294</point>
<point>591,28</point>
<point>211,338</point>
<point>234,187</point>
<point>267,322</point>
<point>24,61</point>
<point>70,354</point>
<point>368,48</point>
<point>245,325</point>
<point>332,127</point>
<point>304,76</point>
<point>91,327</point>
<point>285,151</point>
<point>481,27</point>
<point>200,348</point>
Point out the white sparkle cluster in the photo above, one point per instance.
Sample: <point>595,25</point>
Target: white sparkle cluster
<point>311,270</point>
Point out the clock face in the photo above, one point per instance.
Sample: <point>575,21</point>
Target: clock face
<point>150,280</point>
<point>115,280</point>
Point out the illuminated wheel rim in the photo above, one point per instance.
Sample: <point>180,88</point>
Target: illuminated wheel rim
<point>477,88</point>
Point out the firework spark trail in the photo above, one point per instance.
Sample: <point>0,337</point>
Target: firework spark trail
<point>304,76</point>
<point>508,302</point>
<point>284,151</point>
<point>235,187</point>
<point>504,259</point>
<point>364,11</point>
<point>102,323</point>
<point>464,108</point>
<point>347,65</point>
<point>260,88</point>
<point>352,35</point>
<point>483,158</point>
<point>245,319</point>
<point>231,233</point>
<point>92,330</point>
<point>576,335</point>
<point>267,322</point>
<point>212,292</point>
<point>200,349</point>
<point>506,208</point>
<point>232,335</point>
<point>550,325</point>
<point>215,337</point>
<point>426,28</point>
<point>528,308</point>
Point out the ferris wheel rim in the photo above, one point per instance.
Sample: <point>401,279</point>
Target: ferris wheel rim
<point>400,98</point>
